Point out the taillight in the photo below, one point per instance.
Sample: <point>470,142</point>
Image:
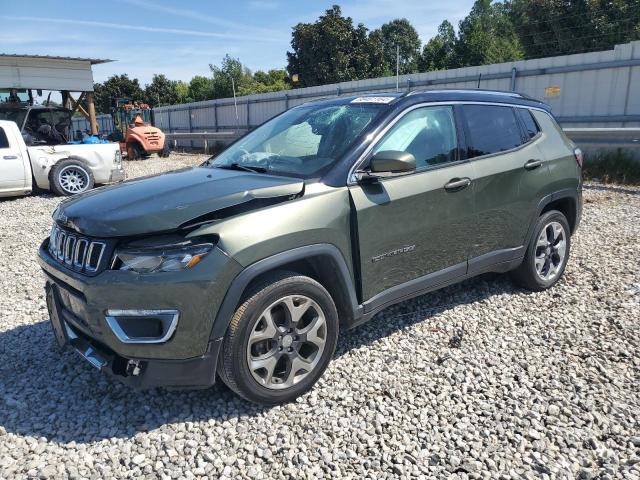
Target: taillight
<point>579,156</point>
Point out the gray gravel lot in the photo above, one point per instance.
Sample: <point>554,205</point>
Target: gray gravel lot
<point>543,385</point>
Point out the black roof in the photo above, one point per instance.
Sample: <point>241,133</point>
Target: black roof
<point>441,95</point>
<point>477,95</point>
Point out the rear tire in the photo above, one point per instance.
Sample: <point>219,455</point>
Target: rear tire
<point>165,152</point>
<point>135,151</point>
<point>280,339</point>
<point>547,253</point>
<point>70,177</point>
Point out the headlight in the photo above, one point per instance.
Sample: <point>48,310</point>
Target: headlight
<point>161,258</point>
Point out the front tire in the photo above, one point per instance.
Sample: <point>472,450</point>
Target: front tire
<point>547,254</point>
<point>70,177</point>
<point>280,339</point>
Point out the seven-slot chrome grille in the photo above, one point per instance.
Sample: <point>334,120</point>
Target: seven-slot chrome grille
<point>75,251</point>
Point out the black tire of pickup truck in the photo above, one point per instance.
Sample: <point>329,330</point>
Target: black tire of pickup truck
<point>233,366</point>
<point>82,171</point>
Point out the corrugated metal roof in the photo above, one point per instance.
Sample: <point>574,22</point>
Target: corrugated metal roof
<point>94,61</point>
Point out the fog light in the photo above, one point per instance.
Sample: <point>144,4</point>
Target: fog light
<point>142,326</point>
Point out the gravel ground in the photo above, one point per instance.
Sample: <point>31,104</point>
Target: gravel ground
<point>479,380</point>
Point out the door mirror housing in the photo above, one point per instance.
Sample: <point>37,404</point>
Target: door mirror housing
<point>393,161</point>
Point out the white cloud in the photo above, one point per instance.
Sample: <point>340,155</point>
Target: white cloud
<point>199,16</point>
<point>140,28</point>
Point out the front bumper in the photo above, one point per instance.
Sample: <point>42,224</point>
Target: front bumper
<point>187,359</point>
<point>197,372</point>
<point>117,175</point>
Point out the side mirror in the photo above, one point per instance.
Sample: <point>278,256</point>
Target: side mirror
<point>393,161</point>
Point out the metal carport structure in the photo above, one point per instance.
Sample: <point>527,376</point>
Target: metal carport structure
<point>68,75</point>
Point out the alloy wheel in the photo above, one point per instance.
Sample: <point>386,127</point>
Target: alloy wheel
<point>551,250</point>
<point>286,342</point>
<point>73,179</point>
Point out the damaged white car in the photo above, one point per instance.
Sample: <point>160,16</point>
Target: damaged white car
<point>36,151</point>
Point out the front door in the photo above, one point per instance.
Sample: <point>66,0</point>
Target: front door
<point>421,223</point>
<point>12,174</point>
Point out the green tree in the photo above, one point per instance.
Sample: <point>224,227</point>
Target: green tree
<point>399,33</point>
<point>272,77</point>
<point>333,50</point>
<point>182,88</point>
<point>161,91</point>
<point>116,86</point>
<point>200,88</point>
<point>231,68</point>
<point>439,53</point>
<point>263,82</point>
<point>616,21</point>
<point>487,36</point>
<point>553,27</point>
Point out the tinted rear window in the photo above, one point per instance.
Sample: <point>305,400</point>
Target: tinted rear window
<point>530,125</point>
<point>492,129</point>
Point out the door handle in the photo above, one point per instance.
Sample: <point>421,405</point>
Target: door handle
<point>10,157</point>
<point>533,164</point>
<point>457,184</point>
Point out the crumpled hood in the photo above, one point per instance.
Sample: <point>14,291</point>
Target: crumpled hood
<point>165,202</point>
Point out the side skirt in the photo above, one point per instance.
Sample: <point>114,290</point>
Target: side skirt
<point>500,261</point>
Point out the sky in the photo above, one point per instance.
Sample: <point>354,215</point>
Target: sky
<point>180,39</point>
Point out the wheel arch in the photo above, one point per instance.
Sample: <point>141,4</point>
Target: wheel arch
<point>567,201</point>
<point>85,163</point>
<point>567,205</point>
<point>322,262</point>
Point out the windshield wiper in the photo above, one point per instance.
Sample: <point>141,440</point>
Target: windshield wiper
<point>238,166</point>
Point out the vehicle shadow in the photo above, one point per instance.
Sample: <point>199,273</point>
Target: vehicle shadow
<point>611,188</point>
<point>45,392</point>
<point>36,193</point>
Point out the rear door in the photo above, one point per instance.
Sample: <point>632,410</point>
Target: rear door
<point>12,166</point>
<point>511,175</point>
<point>417,224</point>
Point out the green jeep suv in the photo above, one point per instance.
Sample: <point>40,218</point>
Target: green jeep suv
<point>249,265</point>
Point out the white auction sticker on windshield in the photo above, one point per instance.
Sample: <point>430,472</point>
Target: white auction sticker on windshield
<point>373,100</point>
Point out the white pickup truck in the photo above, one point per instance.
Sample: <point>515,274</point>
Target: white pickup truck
<point>65,169</point>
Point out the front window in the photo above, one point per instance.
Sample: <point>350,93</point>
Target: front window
<point>304,142</point>
<point>428,133</point>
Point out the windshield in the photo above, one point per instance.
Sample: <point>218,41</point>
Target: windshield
<point>304,142</point>
<point>14,115</point>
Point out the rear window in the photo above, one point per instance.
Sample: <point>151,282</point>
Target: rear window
<point>530,126</point>
<point>492,129</point>
<point>4,141</point>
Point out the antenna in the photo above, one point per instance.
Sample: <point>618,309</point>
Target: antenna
<point>397,66</point>
<point>235,102</point>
